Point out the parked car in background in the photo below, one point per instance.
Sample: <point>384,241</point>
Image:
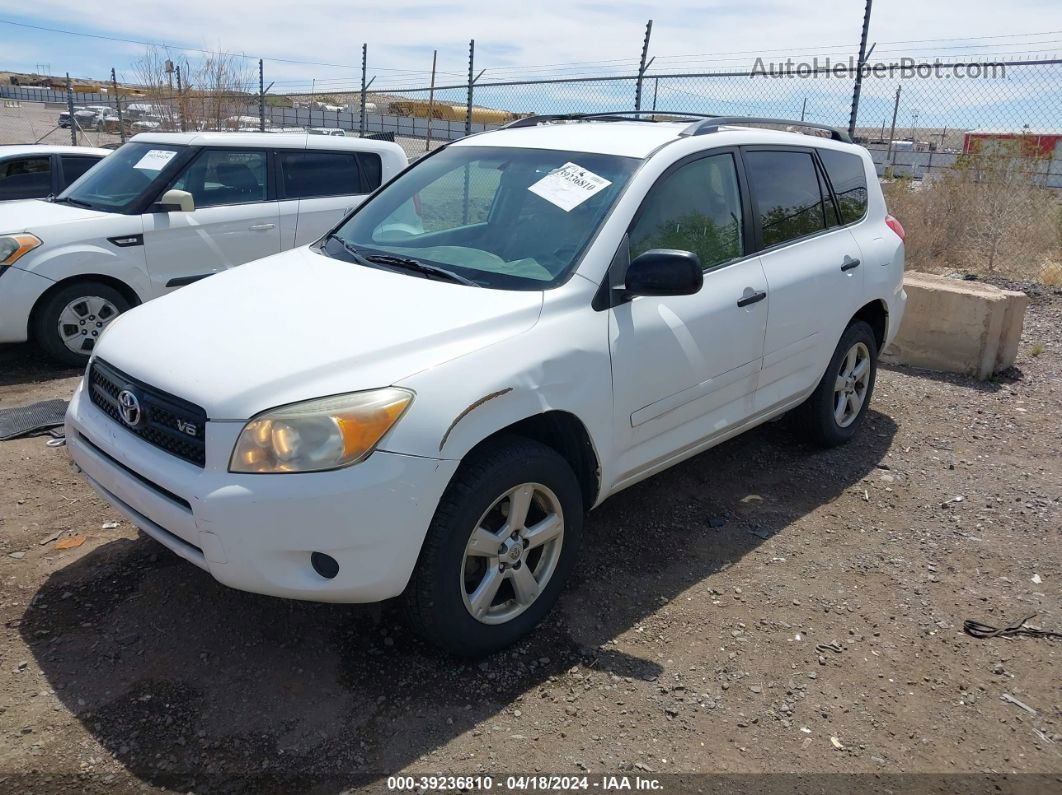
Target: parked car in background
<point>164,210</point>
<point>35,171</point>
<point>64,116</point>
<point>428,400</point>
<point>337,131</point>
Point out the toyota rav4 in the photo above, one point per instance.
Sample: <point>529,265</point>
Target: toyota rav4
<point>427,400</point>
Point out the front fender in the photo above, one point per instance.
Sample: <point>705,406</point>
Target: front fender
<point>92,258</point>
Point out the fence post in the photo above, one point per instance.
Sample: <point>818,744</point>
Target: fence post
<point>859,70</point>
<point>180,100</point>
<point>118,106</point>
<point>70,109</point>
<point>364,86</point>
<point>431,102</point>
<point>468,109</point>
<point>642,66</point>
<point>890,154</point>
<point>261,97</point>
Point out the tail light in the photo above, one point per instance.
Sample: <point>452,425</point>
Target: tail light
<point>895,226</point>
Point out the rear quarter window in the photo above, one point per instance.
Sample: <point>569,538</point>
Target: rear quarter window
<point>849,180</point>
<point>371,170</point>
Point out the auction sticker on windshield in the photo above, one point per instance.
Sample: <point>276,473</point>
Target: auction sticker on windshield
<point>155,160</point>
<point>569,186</point>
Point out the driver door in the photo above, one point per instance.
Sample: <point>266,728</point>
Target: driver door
<point>236,219</point>
<point>685,368</point>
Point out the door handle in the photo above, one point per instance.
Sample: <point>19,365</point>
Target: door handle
<point>848,263</point>
<point>752,298</point>
<point>261,227</point>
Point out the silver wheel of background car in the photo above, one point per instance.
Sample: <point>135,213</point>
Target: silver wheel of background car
<point>512,553</point>
<point>850,388</point>
<point>83,320</point>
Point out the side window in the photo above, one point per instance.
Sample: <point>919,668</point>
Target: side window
<point>74,166</point>
<point>308,174</point>
<point>787,195</point>
<point>371,171</point>
<point>849,180</point>
<point>25,178</point>
<point>694,208</point>
<point>225,176</point>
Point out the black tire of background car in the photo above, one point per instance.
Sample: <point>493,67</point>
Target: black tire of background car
<point>46,318</point>
<point>814,418</point>
<point>433,600</point>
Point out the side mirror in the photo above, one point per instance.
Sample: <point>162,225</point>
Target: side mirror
<point>663,271</point>
<point>175,200</point>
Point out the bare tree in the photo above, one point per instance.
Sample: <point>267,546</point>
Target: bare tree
<point>154,72</point>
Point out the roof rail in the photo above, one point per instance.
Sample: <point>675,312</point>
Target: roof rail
<point>713,123</point>
<point>611,115</point>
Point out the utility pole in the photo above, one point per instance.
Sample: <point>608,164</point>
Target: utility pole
<point>117,106</point>
<point>70,110</point>
<point>890,154</point>
<point>180,100</point>
<point>431,101</point>
<point>261,96</point>
<point>364,86</point>
<point>656,91</point>
<point>642,66</point>
<point>803,108</point>
<point>859,69</point>
<point>468,107</point>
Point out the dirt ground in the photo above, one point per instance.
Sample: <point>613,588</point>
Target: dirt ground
<point>687,643</point>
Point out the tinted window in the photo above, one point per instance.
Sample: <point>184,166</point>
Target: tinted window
<point>849,180</point>
<point>74,167</point>
<point>371,170</point>
<point>25,178</point>
<point>695,208</point>
<point>309,174</point>
<point>225,176</point>
<point>786,195</point>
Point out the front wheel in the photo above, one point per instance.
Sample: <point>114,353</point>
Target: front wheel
<point>71,320</point>
<point>501,545</point>
<point>838,406</point>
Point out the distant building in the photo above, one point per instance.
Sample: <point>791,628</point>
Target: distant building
<point>1030,143</point>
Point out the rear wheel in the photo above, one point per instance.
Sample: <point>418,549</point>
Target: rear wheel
<point>499,548</point>
<point>838,406</point>
<point>72,319</point>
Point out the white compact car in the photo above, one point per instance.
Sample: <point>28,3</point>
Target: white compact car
<point>524,322</point>
<point>35,171</point>
<point>164,210</point>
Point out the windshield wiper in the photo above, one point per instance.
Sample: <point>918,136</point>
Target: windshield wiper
<point>357,255</point>
<point>75,202</point>
<point>420,267</point>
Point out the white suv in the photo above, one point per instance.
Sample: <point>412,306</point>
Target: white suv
<point>163,211</point>
<point>429,399</point>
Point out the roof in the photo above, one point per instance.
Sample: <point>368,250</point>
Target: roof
<point>50,149</point>
<point>631,138</point>
<point>271,140</point>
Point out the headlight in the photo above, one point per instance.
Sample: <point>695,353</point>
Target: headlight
<point>328,433</point>
<point>12,247</point>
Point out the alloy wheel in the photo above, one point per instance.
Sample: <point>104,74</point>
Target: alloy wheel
<point>850,387</point>
<point>83,320</point>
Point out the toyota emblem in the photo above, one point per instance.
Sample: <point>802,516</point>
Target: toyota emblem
<point>129,406</point>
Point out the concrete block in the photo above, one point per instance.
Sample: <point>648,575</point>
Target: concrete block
<point>958,326</point>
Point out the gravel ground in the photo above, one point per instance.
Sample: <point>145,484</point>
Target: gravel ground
<point>689,642</point>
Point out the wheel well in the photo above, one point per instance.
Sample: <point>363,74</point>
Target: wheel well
<point>876,316</point>
<point>127,292</point>
<point>566,434</point>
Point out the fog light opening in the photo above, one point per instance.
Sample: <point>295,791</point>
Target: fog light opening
<point>325,565</point>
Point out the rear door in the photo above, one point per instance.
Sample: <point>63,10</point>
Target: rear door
<point>235,219</point>
<point>326,185</point>
<point>812,264</point>
<point>26,177</point>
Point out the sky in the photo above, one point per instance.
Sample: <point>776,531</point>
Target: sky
<point>553,39</point>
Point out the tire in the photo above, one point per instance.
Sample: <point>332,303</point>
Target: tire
<point>819,418</point>
<point>441,595</point>
<point>99,305</point>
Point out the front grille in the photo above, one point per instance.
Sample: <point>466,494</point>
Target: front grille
<point>169,423</point>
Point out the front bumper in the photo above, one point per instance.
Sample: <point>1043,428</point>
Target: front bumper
<point>19,291</point>
<point>257,532</point>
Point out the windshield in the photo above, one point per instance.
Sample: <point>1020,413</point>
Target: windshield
<point>119,179</point>
<point>508,218</point>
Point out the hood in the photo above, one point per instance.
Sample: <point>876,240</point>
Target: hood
<point>301,325</point>
<point>33,215</point>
